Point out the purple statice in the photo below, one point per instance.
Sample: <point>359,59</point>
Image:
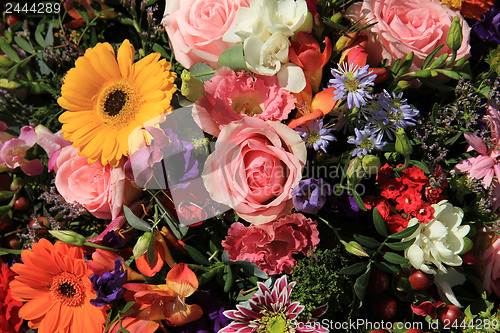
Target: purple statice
<point>108,286</point>
<point>366,140</point>
<point>351,83</point>
<point>310,195</point>
<point>488,27</point>
<point>316,135</point>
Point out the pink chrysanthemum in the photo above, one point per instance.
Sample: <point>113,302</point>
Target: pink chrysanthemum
<point>269,311</point>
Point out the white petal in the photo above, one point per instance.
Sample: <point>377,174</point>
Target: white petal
<point>292,78</point>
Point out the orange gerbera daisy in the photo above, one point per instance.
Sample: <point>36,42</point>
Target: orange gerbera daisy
<point>108,97</point>
<point>54,281</point>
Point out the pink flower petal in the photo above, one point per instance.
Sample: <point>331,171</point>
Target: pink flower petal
<point>476,142</point>
<point>32,168</point>
<point>28,135</point>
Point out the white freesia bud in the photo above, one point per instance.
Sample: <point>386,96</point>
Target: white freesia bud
<point>438,242</point>
<point>292,13</point>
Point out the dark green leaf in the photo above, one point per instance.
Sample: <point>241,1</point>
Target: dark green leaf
<point>196,255</point>
<point>367,241</point>
<point>38,34</point>
<point>396,65</point>
<point>49,37</point>
<point>151,250</point>
<point>420,165</point>
<point>440,60</point>
<point>9,52</point>
<point>406,64</point>
<point>233,58</point>
<point>83,13</point>
<point>405,233</point>
<point>228,278</point>
<point>12,72</point>
<point>389,268</point>
<point>4,195</point>
<point>453,139</point>
<point>431,56</point>
<point>452,74</point>
<point>177,229</point>
<point>207,276</point>
<point>379,223</point>
<point>202,71</point>
<point>437,85</point>
<point>354,269</point>
<point>134,221</point>
<point>24,44</point>
<point>394,258</point>
<point>127,306</point>
<point>400,246</point>
<point>359,201</point>
<point>160,49</point>
<point>9,251</point>
<point>361,284</point>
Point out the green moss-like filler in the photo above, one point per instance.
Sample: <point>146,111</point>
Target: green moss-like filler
<point>493,60</point>
<point>319,282</point>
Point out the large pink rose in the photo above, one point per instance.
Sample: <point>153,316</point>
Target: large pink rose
<point>491,262</point>
<point>254,168</point>
<point>405,26</point>
<point>195,28</point>
<point>272,244</point>
<point>230,96</point>
<point>101,190</point>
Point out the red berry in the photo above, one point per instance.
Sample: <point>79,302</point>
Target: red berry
<point>414,330</point>
<point>379,282</point>
<point>419,280</point>
<point>12,18</point>
<point>11,242</point>
<point>451,316</point>
<point>21,204</point>
<point>5,224</point>
<point>40,225</point>
<point>386,307</point>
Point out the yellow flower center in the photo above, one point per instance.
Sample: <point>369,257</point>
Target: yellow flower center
<point>455,4</point>
<point>68,289</point>
<point>118,103</point>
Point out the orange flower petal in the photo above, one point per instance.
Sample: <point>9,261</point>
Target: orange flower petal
<point>178,314</point>
<point>182,280</point>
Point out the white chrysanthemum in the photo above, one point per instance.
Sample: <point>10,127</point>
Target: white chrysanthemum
<point>438,242</point>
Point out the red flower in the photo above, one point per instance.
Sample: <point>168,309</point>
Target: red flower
<point>414,177</point>
<point>396,223</point>
<point>424,213</point>
<point>409,201</point>
<point>433,195</point>
<point>390,188</point>
<point>384,209</point>
<point>427,308</point>
<point>9,308</point>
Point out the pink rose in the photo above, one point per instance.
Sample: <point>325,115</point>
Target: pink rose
<point>101,190</point>
<point>491,264</point>
<point>230,96</point>
<point>272,244</point>
<point>405,26</point>
<point>254,168</point>
<point>195,28</point>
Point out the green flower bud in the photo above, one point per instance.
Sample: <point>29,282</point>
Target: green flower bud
<point>336,18</point>
<point>403,85</point>
<point>454,38</point>
<point>355,169</point>
<point>371,164</point>
<point>16,184</point>
<point>68,236</point>
<point>192,88</point>
<point>355,248</point>
<point>403,145</point>
<point>142,244</point>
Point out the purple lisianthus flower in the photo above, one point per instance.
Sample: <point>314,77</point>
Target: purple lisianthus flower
<point>310,195</point>
<point>488,27</point>
<point>108,286</point>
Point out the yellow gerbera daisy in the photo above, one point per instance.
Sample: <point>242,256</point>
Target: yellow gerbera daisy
<point>108,96</point>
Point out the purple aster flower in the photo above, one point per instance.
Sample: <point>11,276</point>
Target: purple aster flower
<point>108,286</point>
<point>366,140</point>
<point>316,135</point>
<point>488,27</point>
<point>269,311</point>
<point>310,195</point>
<point>351,83</point>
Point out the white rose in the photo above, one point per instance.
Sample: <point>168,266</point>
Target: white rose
<point>438,242</point>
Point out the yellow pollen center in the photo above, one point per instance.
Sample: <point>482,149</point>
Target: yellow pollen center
<point>118,103</point>
<point>68,289</point>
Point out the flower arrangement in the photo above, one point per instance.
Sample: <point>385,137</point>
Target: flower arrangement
<point>250,166</point>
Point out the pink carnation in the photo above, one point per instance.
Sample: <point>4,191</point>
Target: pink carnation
<point>272,244</point>
<point>230,96</point>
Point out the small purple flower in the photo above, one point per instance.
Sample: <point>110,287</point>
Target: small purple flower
<point>366,140</point>
<point>108,286</point>
<point>310,195</point>
<point>488,27</point>
<point>316,135</point>
<point>351,83</point>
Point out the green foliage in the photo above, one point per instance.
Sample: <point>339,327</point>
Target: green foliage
<point>319,282</point>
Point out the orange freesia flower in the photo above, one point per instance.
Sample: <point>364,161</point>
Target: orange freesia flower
<point>308,109</point>
<point>161,254</point>
<point>470,8</point>
<point>54,281</point>
<point>104,261</point>
<point>165,302</point>
<point>306,53</point>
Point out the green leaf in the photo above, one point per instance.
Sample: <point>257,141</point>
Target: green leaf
<point>394,258</point>
<point>150,257</point>
<point>449,73</point>
<point>354,269</point>
<point>127,306</point>
<point>379,223</point>
<point>367,241</point>
<point>9,51</point>
<point>453,139</point>
<point>38,34</point>
<point>233,58</point>
<point>202,71</point>
<point>405,233</point>
<point>440,60</point>
<point>361,284</point>
<point>83,12</point>
<point>196,255</point>
<point>467,246</point>
<point>134,221</point>
<point>389,268</point>
<point>49,37</point>
<point>396,65</point>
<point>431,56</point>
<point>24,44</point>
<point>207,276</point>
<point>228,278</point>
<point>161,50</point>
<point>422,166</point>
<point>400,246</point>
<point>406,64</point>
<point>4,195</point>
<point>359,201</point>
<point>4,251</point>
